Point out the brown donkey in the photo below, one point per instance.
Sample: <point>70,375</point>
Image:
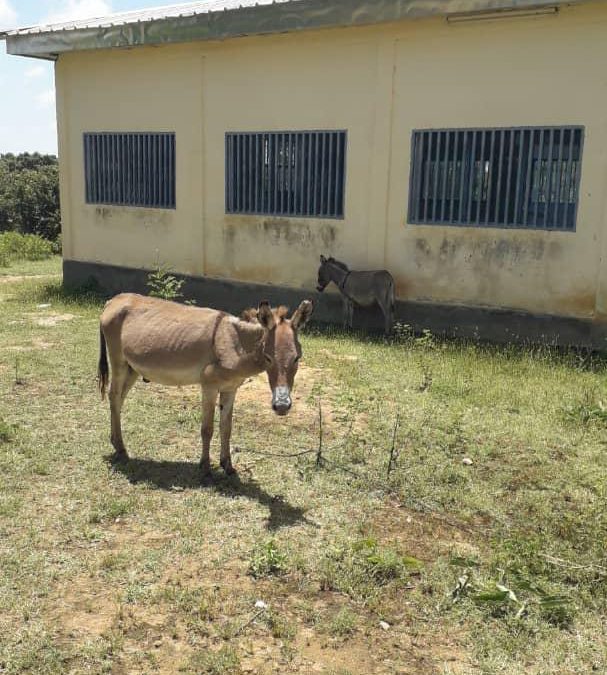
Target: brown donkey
<point>175,344</point>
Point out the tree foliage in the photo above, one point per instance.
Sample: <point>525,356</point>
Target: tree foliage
<point>29,194</point>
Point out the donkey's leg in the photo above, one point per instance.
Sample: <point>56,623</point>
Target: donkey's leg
<point>209,398</point>
<point>385,299</point>
<point>123,378</point>
<point>348,312</point>
<point>386,308</point>
<point>226,405</point>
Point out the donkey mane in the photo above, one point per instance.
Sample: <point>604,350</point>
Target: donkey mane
<point>337,263</point>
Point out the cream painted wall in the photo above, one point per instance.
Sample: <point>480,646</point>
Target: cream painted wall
<point>516,73</point>
<point>379,83</point>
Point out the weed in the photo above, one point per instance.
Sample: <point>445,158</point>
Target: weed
<point>110,508</point>
<point>7,431</point>
<point>267,560</point>
<point>343,623</point>
<point>587,412</point>
<point>280,627</point>
<point>222,662</point>
<point>162,284</point>
<point>361,568</point>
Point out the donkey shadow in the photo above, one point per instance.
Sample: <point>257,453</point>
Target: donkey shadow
<point>169,475</point>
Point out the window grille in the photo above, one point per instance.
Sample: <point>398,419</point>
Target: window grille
<point>507,177</point>
<point>291,173</point>
<point>130,169</point>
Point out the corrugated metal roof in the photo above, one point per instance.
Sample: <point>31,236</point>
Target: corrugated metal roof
<point>151,14</point>
<point>224,19</point>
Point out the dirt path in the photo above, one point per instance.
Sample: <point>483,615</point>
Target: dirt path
<point>20,277</point>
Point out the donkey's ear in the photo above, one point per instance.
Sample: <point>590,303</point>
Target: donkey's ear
<point>265,315</point>
<point>323,259</point>
<point>302,314</point>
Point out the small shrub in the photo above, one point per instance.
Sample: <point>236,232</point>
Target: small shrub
<point>15,246</point>
<point>162,284</point>
<point>281,628</point>
<point>267,560</point>
<point>57,245</point>
<point>223,662</point>
<point>343,623</point>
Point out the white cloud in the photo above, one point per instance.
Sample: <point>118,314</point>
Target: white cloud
<point>46,99</point>
<point>35,71</point>
<point>8,15</point>
<point>72,10</point>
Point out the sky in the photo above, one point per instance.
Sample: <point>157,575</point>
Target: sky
<point>27,90</point>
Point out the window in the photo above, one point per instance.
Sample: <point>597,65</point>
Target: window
<point>130,169</point>
<point>290,173</point>
<point>515,178</point>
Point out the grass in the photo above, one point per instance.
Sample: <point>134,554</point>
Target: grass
<point>49,266</point>
<point>494,566</point>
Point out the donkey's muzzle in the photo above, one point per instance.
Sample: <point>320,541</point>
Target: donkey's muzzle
<point>281,400</point>
<point>320,288</point>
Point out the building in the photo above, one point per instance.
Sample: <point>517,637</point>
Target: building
<point>460,144</point>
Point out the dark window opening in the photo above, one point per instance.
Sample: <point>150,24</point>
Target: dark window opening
<point>130,169</point>
<point>518,178</point>
<point>298,173</point>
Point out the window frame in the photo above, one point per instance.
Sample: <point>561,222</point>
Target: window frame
<point>416,179</point>
<point>115,176</point>
<point>253,190</point>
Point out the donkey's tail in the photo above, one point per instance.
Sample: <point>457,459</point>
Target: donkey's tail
<point>103,370</point>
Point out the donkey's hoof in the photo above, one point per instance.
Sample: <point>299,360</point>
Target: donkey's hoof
<point>119,457</point>
<point>204,469</point>
<point>226,465</point>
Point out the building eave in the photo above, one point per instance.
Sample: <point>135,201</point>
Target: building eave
<point>278,17</point>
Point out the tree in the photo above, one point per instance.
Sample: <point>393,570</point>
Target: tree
<point>29,194</point>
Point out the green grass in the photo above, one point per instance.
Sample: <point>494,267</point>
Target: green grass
<point>497,566</point>
<point>50,266</point>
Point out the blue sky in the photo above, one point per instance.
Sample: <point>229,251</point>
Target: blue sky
<point>27,108</point>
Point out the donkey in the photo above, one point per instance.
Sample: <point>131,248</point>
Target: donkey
<point>176,345</point>
<point>359,288</point>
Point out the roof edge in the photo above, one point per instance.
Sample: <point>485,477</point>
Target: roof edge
<point>298,15</point>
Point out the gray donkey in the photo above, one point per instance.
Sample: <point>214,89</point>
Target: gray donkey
<point>359,288</point>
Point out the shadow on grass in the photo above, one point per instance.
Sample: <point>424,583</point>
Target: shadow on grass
<point>167,475</point>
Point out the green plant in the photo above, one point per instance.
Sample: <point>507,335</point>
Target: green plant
<point>362,567</point>
<point>343,623</point>
<point>7,431</point>
<point>280,627</point>
<point>223,662</point>
<point>162,284</point>
<point>267,560</point>
<point>15,247</point>
<point>587,412</point>
<point>516,596</point>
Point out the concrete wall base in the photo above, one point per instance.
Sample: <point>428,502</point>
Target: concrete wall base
<point>494,325</point>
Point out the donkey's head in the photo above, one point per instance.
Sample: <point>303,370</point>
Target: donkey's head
<point>282,350</point>
<point>324,271</point>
